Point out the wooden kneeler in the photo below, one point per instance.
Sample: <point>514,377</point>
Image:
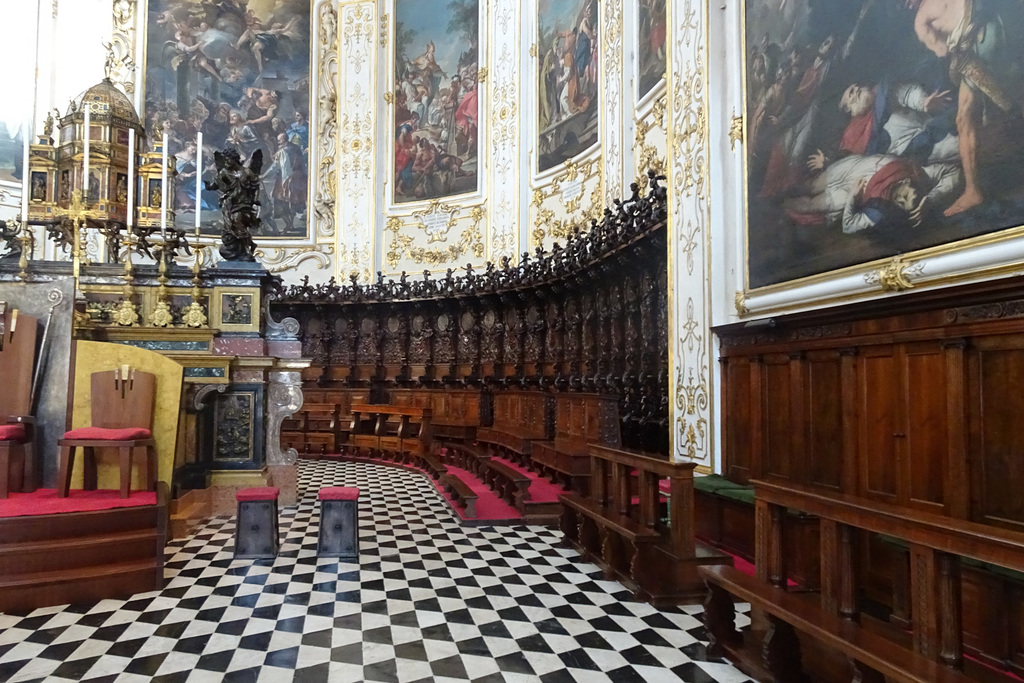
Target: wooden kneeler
<point>256,532</point>
<point>339,523</point>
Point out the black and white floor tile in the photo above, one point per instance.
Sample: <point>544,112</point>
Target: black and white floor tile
<point>429,600</point>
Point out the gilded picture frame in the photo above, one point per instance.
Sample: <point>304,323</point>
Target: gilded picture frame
<point>235,309</point>
<point>866,140</point>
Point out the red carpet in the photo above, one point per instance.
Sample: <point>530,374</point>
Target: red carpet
<point>488,506</point>
<point>541,490</point>
<point>46,502</point>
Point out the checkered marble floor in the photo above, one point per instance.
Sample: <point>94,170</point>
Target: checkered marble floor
<point>429,600</point>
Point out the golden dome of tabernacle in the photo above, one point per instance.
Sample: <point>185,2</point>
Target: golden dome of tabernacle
<point>105,99</point>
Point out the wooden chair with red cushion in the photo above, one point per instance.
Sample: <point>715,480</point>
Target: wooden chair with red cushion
<point>17,362</point>
<point>122,419</point>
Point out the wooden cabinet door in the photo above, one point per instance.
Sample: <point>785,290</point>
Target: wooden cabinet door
<point>922,438</point>
<point>996,396</point>
<point>908,423</point>
<point>879,399</point>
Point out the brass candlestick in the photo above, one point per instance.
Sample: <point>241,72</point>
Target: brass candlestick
<point>161,315</point>
<point>194,315</point>
<point>126,314</point>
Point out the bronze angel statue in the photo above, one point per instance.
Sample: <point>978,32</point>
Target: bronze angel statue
<point>239,187</point>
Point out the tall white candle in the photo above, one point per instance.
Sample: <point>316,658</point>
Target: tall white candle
<point>199,177</point>
<point>163,191</point>
<point>26,177</point>
<point>85,156</point>
<point>129,214</point>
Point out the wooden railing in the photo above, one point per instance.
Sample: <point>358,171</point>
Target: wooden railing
<point>637,524</point>
<point>936,545</point>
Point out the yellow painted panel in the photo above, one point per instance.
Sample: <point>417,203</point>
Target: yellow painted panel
<point>93,357</point>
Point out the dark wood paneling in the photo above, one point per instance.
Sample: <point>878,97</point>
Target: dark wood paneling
<point>879,403</point>
<point>926,443</point>
<point>737,397</point>
<point>778,413</point>
<point>823,418</point>
<point>996,450</point>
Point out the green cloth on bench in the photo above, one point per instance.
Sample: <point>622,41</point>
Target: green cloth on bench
<point>715,483</point>
<point>743,495</point>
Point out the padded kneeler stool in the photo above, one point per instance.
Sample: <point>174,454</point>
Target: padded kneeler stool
<point>256,530</point>
<point>339,530</point>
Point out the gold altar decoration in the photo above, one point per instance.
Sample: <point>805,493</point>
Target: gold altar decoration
<point>56,167</point>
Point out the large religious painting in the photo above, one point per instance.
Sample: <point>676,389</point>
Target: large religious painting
<point>879,127</point>
<point>568,79</point>
<point>237,70</point>
<point>651,57</point>
<point>436,105</point>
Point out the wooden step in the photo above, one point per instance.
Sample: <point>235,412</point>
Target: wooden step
<point>542,513</point>
<point>76,524</point>
<point>89,584</point>
<point>31,557</point>
<point>182,522</point>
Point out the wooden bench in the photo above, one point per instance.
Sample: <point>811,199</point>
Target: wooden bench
<point>937,545</point>
<point>432,464</point>
<point>460,493</point>
<point>619,558</point>
<point>456,411</point>
<point>619,525</point>
<point>511,485</point>
<point>561,466</point>
<point>466,456</point>
<point>512,446</point>
<point>396,432</point>
<point>872,656</point>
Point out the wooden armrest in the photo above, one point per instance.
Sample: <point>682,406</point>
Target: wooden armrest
<point>22,419</point>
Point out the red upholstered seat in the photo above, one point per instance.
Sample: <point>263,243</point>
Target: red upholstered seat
<point>15,432</point>
<point>103,434</point>
<point>258,493</point>
<point>339,493</point>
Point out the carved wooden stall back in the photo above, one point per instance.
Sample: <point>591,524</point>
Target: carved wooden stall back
<point>590,316</point>
<point>911,404</point>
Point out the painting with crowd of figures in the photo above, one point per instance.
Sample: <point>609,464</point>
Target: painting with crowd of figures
<point>879,127</point>
<point>237,70</point>
<point>436,106</point>
<point>651,58</point>
<point>568,79</point>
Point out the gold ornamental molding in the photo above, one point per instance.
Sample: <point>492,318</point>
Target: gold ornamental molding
<point>436,222</point>
<point>688,147</point>
<point>384,30</point>
<point>735,132</point>
<point>649,156</point>
<point>740,301</point>
<point>278,260</point>
<point>356,97</point>
<point>505,26</point>
<point>895,275</point>
<point>481,75</point>
<point>326,198</point>
<point>569,188</point>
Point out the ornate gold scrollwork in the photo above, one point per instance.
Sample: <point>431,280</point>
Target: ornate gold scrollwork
<point>735,131</point>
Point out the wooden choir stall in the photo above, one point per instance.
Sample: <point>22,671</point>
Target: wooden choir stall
<point>873,454</point>
<point>528,379</point>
